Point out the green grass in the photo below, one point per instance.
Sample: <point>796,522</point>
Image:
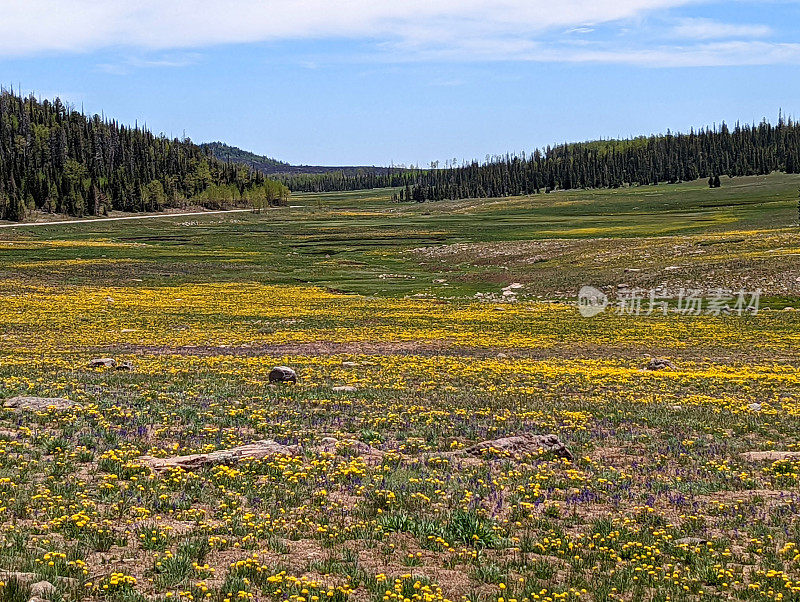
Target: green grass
<point>360,241</point>
<point>657,455</point>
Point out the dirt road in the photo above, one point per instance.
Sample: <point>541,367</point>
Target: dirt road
<point>114,219</point>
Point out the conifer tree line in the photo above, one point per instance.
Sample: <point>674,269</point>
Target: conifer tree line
<point>55,159</point>
<point>708,153</point>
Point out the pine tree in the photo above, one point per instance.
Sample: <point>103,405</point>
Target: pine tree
<point>738,151</point>
<point>53,158</point>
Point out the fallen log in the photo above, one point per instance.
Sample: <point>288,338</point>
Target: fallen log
<point>34,579</point>
<point>252,451</point>
<point>771,456</point>
<point>38,404</point>
<point>520,445</point>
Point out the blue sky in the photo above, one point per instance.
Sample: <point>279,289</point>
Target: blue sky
<point>342,82</point>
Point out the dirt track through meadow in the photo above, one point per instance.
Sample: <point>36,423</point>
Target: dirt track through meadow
<point>116,219</point>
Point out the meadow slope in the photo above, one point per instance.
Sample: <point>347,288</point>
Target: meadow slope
<point>664,498</point>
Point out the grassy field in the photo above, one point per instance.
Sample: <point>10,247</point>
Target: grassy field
<point>361,242</point>
<point>381,501</point>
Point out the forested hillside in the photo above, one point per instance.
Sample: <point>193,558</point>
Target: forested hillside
<point>270,166</point>
<point>234,154</point>
<point>56,159</point>
<point>743,150</point>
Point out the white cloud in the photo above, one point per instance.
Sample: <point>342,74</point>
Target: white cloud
<point>708,29</point>
<point>712,54</point>
<point>397,30</point>
<point>721,54</point>
<point>32,26</point>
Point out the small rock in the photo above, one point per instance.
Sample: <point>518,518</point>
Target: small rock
<point>755,407</point>
<point>676,408</point>
<point>659,363</point>
<point>42,589</point>
<point>502,356</point>
<point>103,362</point>
<point>282,374</point>
<point>350,364</point>
<point>344,389</point>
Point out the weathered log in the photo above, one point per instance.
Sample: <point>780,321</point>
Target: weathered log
<point>520,445</point>
<point>38,404</point>
<point>771,456</point>
<point>102,362</point>
<point>234,455</point>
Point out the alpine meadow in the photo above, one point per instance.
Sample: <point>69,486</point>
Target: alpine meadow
<point>565,373</point>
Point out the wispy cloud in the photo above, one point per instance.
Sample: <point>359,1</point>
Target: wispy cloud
<point>126,64</point>
<point>182,60</point>
<point>711,54</point>
<point>708,29</point>
<point>404,30</point>
<point>721,54</point>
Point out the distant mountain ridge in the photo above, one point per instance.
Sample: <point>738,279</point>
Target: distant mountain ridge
<point>270,166</point>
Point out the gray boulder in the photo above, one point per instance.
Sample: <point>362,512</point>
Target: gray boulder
<point>282,374</point>
<point>43,589</point>
<point>659,363</point>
